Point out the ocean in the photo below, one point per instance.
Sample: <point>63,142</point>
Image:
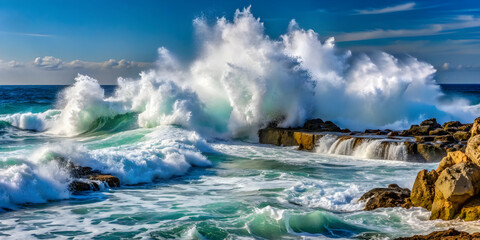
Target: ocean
<point>179,183</point>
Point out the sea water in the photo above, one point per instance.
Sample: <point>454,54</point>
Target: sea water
<point>178,184</point>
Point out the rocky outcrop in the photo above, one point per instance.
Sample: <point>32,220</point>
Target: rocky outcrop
<point>450,234</point>
<point>431,152</point>
<point>318,125</point>
<point>423,190</point>
<point>305,140</point>
<point>475,130</point>
<point>87,179</point>
<point>471,210</point>
<point>473,149</point>
<point>393,196</point>
<point>454,186</point>
<point>451,159</point>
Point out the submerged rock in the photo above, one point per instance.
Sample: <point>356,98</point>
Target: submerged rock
<point>393,196</point>
<point>423,190</point>
<point>450,234</point>
<point>88,179</point>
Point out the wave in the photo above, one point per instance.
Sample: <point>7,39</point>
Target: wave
<point>43,175</point>
<point>242,80</point>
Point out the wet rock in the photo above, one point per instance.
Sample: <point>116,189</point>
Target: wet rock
<point>393,134</point>
<point>346,130</point>
<point>318,125</point>
<point>80,186</point>
<point>450,234</point>
<point>422,139</point>
<point>393,196</point>
<point>110,180</point>
<point>475,127</point>
<point>431,123</point>
<point>305,141</point>
<point>438,132</point>
<point>430,152</point>
<point>473,149</point>
<point>466,127</point>
<point>277,136</point>
<point>461,136</point>
<point>416,130</point>
<point>454,186</point>
<point>452,124</point>
<point>444,139</point>
<point>451,159</point>
<point>471,210</point>
<point>423,190</point>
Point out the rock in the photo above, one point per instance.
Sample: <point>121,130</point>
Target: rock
<point>422,139</point>
<point>451,130</point>
<point>346,130</point>
<point>450,234</point>
<point>475,127</point>
<point>454,186</point>
<point>471,210</point>
<point>461,136</point>
<point>444,139</point>
<point>438,132</point>
<point>423,190</point>
<point>432,122</point>
<point>393,196</point>
<point>372,130</point>
<point>393,134</point>
<point>466,127</point>
<point>416,130</point>
<point>305,141</point>
<point>452,124</point>
<point>431,153</point>
<point>473,148</point>
<point>277,136</point>
<point>451,159</point>
<point>80,186</point>
<point>317,125</point>
<point>110,180</point>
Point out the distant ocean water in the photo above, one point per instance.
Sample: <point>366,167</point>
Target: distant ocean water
<point>179,184</point>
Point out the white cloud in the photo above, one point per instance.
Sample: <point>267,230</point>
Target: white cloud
<point>433,29</point>
<point>26,34</point>
<point>52,70</point>
<point>48,63</point>
<point>396,8</point>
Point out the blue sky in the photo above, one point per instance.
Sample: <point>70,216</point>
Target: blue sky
<point>121,38</point>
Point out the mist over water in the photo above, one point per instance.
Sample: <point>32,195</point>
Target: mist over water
<point>184,131</point>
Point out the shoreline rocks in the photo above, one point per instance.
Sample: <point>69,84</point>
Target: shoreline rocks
<point>450,234</point>
<point>87,179</point>
<point>427,142</point>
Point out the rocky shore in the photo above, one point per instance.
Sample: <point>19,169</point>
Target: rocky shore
<point>427,142</point>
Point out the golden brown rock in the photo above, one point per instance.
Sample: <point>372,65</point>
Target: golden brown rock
<point>454,186</point>
<point>461,136</point>
<point>110,180</point>
<point>473,148</point>
<point>475,127</point>
<point>305,140</point>
<point>451,159</point>
<point>423,191</point>
<point>471,210</point>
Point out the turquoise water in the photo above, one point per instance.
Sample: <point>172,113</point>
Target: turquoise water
<point>179,184</point>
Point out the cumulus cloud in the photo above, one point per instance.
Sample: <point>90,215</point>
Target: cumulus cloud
<point>10,64</point>
<point>396,8</point>
<point>48,63</point>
